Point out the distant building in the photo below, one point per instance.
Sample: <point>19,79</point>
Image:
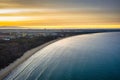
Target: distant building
<point>7,37</point>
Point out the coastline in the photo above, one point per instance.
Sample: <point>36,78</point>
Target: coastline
<point>5,71</point>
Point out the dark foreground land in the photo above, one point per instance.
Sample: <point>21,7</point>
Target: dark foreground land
<point>12,48</point>
<point>88,57</point>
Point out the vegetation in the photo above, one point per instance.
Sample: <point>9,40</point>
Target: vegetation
<point>13,49</point>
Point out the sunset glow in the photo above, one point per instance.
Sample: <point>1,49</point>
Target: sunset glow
<point>51,14</point>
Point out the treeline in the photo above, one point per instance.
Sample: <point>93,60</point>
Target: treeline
<point>13,49</point>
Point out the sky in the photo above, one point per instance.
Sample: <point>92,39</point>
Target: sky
<point>60,13</point>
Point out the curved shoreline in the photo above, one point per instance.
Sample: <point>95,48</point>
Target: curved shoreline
<point>5,71</point>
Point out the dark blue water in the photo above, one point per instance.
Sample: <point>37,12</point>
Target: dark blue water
<point>83,57</point>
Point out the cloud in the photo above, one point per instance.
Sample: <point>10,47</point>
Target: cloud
<point>60,3</point>
<point>60,12</point>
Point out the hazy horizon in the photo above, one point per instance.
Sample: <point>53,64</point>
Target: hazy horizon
<point>60,14</point>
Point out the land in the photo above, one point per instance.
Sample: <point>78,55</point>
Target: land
<point>16,46</point>
<point>14,49</point>
<point>4,72</point>
<point>15,42</point>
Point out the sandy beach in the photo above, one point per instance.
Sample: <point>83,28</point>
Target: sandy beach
<point>4,72</point>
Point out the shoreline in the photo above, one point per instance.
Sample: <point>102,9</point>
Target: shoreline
<point>5,71</point>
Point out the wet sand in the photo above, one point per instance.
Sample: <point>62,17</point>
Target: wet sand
<point>4,72</point>
<point>81,57</point>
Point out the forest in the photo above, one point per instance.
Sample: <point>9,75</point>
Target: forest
<point>13,49</point>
